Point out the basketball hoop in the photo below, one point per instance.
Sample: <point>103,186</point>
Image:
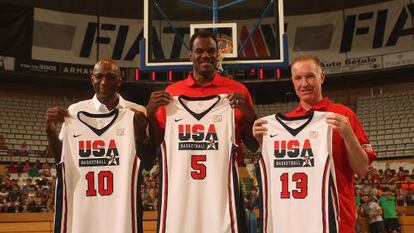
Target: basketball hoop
<point>225,46</point>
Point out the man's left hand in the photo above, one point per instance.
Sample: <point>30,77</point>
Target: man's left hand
<point>341,124</point>
<point>239,100</point>
<point>140,125</point>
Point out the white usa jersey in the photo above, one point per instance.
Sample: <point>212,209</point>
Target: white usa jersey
<point>199,184</point>
<point>297,176</point>
<point>97,188</point>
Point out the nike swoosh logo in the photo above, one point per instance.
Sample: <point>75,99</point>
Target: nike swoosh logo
<point>273,135</point>
<point>76,135</point>
<point>177,120</point>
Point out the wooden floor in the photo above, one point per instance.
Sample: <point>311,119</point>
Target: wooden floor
<point>43,223</point>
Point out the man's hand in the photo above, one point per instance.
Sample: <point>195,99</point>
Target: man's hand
<point>340,124</point>
<point>239,100</point>
<point>140,126</point>
<point>357,157</point>
<point>157,99</point>
<point>54,117</point>
<point>258,129</point>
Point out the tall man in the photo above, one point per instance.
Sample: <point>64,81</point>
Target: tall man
<point>205,81</point>
<point>104,141</point>
<point>217,186</point>
<point>352,152</point>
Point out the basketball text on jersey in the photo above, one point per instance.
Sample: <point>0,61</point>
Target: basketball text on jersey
<point>293,153</point>
<point>199,181</point>
<point>197,137</point>
<point>98,153</point>
<point>296,173</point>
<point>98,175</point>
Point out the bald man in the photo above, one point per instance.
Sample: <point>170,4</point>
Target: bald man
<point>105,183</point>
<point>106,80</point>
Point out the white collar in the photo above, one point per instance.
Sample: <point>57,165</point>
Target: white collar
<point>100,107</point>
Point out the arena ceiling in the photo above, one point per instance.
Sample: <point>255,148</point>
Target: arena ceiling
<point>133,8</point>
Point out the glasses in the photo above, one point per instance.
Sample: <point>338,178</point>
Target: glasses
<point>109,76</point>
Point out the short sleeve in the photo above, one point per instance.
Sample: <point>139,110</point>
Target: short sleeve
<point>362,137</point>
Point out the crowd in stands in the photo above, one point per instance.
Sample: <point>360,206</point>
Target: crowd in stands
<point>29,187</point>
<point>400,183</point>
<point>379,193</point>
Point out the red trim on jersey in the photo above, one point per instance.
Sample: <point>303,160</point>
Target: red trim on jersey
<point>165,187</point>
<point>232,222</point>
<point>343,172</point>
<point>324,198</point>
<point>265,195</point>
<point>336,202</point>
<point>218,85</point>
<point>66,200</point>
<point>133,195</point>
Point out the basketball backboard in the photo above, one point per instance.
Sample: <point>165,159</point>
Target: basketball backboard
<point>254,27</point>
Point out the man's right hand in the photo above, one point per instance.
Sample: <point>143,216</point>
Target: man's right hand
<point>54,117</point>
<point>258,129</point>
<point>157,99</point>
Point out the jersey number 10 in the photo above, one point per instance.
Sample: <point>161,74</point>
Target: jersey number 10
<point>105,183</point>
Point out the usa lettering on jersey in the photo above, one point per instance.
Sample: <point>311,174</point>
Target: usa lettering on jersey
<point>98,170</point>
<point>199,175</point>
<point>296,173</point>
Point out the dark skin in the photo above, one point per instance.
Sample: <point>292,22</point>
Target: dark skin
<point>204,58</point>
<point>106,80</point>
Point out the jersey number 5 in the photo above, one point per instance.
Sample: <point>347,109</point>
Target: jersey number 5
<point>301,180</point>
<point>199,169</point>
<point>105,183</point>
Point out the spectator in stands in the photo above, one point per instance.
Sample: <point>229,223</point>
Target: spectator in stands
<point>3,202</point>
<point>373,212</point>
<point>203,81</point>
<point>33,171</point>
<point>380,173</point>
<point>352,152</point>
<point>6,182</point>
<point>45,169</point>
<point>250,215</point>
<point>38,165</point>
<point>26,166</point>
<point>389,170</point>
<point>23,150</point>
<point>389,177</point>
<point>375,176</point>
<point>4,192</point>
<point>388,203</point>
<point>28,186</point>
<point>32,204</point>
<point>19,167</point>
<point>43,182</point>
<point>50,205</point>
<point>254,198</point>
<point>410,197</point>
<point>11,168</point>
<point>14,200</point>
<point>2,142</point>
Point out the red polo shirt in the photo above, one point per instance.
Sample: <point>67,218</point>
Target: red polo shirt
<point>218,85</point>
<point>344,173</point>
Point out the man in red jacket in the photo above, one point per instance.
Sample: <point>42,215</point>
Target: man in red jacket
<point>352,152</point>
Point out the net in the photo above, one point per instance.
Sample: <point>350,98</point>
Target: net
<point>225,46</point>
